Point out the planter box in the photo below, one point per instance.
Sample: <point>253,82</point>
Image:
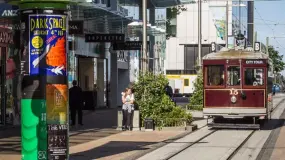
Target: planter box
<point>136,120</point>
<point>197,114</point>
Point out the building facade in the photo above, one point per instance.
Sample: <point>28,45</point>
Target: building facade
<point>182,47</point>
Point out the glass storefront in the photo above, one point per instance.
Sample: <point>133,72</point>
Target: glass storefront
<point>10,66</point>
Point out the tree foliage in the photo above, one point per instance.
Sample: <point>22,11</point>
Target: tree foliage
<point>154,103</point>
<point>172,13</point>
<point>277,59</point>
<point>196,100</point>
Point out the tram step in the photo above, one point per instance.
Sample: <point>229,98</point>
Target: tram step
<point>234,126</point>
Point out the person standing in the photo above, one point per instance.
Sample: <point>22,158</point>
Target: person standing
<point>130,99</point>
<point>124,109</point>
<point>75,103</point>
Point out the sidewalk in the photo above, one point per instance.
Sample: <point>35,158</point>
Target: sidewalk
<point>97,139</point>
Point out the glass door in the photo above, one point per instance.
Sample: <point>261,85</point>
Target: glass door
<point>3,56</point>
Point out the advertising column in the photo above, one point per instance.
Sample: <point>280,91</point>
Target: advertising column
<point>44,85</point>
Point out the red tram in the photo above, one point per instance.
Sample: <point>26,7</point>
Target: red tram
<point>237,85</point>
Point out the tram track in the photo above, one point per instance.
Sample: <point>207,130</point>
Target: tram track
<point>235,151</point>
<point>190,145</point>
<point>232,155</point>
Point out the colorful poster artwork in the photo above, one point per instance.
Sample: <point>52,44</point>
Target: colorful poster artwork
<point>56,101</point>
<point>47,45</point>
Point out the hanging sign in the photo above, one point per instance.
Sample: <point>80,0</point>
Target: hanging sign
<point>104,37</point>
<point>47,47</point>
<point>129,45</point>
<point>76,27</point>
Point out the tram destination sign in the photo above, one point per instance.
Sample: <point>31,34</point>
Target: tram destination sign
<point>104,37</point>
<point>254,62</point>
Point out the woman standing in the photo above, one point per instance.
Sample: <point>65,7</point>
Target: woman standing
<point>130,99</point>
<point>124,109</point>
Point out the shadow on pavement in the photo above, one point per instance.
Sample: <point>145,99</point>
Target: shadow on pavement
<point>97,124</point>
<point>110,149</point>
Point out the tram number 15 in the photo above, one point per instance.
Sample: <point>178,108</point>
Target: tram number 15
<point>233,92</point>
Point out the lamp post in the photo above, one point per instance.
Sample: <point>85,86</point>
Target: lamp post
<point>44,119</point>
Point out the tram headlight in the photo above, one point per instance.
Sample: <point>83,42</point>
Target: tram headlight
<point>233,99</point>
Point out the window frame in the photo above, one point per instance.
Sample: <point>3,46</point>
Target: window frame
<point>206,77</point>
<point>263,78</point>
<point>226,77</point>
<point>186,79</point>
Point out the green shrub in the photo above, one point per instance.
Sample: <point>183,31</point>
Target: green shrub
<point>196,100</point>
<point>154,103</point>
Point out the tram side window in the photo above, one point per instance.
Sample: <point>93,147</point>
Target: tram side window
<point>254,77</point>
<point>233,73</point>
<point>215,75</point>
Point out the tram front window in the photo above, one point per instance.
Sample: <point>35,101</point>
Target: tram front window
<point>215,75</point>
<point>254,77</point>
<point>233,73</point>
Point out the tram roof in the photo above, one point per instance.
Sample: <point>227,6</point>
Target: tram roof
<point>226,53</point>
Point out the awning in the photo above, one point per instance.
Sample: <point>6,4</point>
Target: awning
<point>100,19</point>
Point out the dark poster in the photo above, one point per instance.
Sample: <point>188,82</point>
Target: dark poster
<point>57,142</point>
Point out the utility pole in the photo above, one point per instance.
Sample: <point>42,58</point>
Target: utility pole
<point>254,38</point>
<point>199,33</point>
<point>144,49</point>
<point>267,45</point>
<point>227,23</point>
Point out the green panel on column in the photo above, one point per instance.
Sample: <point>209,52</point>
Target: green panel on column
<point>33,122</point>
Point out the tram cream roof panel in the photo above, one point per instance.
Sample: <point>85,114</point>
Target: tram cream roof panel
<point>236,54</point>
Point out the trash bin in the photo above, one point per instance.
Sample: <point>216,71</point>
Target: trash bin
<point>149,124</point>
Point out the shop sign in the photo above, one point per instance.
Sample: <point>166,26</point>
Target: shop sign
<point>6,37</point>
<point>76,27</point>
<point>47,47</point>
<point>104,37</point>
<point>7,10</point>
<point>129,45</point>
<point>122,56</point>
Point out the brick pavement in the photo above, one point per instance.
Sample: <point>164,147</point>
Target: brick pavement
<point>97,139</point>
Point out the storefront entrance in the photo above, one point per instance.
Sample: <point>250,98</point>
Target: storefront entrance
<point>3,110</point>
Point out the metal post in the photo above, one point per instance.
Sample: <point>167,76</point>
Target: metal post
<point>227,23</point>
<point>199,32</point>
<point>267,45</point>
<point>254,38</point>
<point>144,5</point>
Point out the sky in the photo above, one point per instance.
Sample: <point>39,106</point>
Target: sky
<point>267,14</point>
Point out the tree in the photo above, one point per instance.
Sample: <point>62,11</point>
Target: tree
<point>153,102</point>
<point>196,100</point>
<point>277,59</point>
<point>171,13</point>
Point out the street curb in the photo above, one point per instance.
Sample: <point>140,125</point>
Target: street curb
<point>158,145</point>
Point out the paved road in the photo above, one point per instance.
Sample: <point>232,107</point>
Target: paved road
<point>218,145</point>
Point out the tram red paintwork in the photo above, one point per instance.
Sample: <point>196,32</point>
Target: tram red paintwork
<point>248,100</point>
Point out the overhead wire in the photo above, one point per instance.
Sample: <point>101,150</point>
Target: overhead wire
<point>273,31</point>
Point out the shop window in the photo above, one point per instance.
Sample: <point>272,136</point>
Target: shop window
<point>186,82</point>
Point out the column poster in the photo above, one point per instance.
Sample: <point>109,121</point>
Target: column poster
<point>47,45</point>
<point>56,101</point>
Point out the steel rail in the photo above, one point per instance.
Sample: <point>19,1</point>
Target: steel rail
<point>232,155</point>
<point>188,146</point>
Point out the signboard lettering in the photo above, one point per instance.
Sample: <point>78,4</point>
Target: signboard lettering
<point>253,62</point>
<point>6,37</point>
<point>76,27</point>
<point>104,37</point>
<point>47,47</point>
<point>7,10</point>
<point>128,45</point>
